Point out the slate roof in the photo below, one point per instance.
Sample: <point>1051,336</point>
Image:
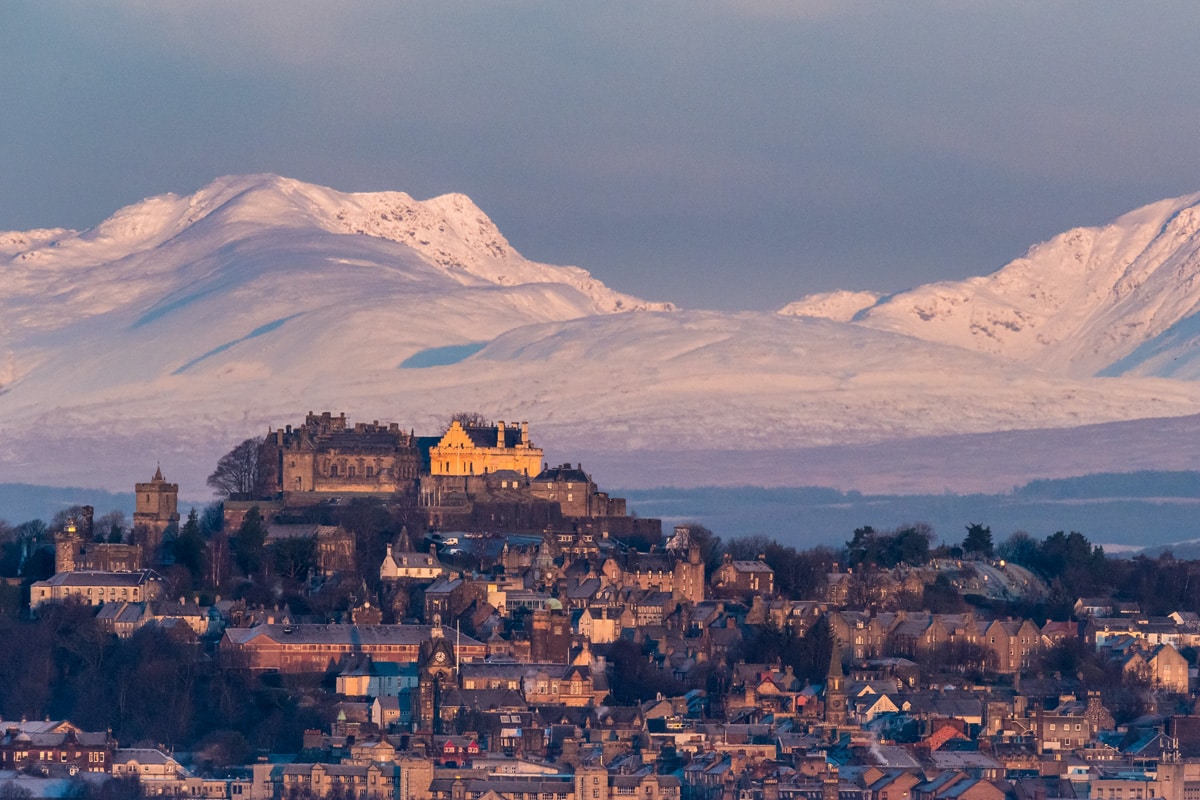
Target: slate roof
<point>564,473</point>
<point>343,634</point>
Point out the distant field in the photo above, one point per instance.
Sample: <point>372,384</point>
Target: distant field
<point>1121,511</point>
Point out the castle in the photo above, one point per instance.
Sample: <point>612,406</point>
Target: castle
<point>472,475</point>
<point>326,456</point>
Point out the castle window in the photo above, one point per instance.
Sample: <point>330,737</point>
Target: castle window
<point>333,470</point>
<point>370,472</point>
<point>350,472</point>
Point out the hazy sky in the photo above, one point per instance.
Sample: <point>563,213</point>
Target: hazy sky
<point>733,154</point>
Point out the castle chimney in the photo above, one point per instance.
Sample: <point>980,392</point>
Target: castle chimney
<point>500,433</point>
<point>525,433</point>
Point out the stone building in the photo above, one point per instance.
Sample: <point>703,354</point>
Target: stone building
<point>326,455</point>
<point>478,450</point>
<point>97,588</point>
<point>75,550</point>
<point>744,577</point>
<point>155,510</point>
<point>26,745</point>
<point>575,492</point>
<point>315,647</point>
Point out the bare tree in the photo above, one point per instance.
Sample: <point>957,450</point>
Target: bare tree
<point>468,419</point>
<point>238,473</point>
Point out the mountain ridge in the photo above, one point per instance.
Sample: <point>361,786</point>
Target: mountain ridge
<point>1080,303</point>
<point>183,324</point>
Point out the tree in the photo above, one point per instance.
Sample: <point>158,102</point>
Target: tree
<point>251,542</point>
<point>711,547</point>
<point>1019,548</point>
<point>64,515</point>
<point>14,791</point>
<point>189,546</point>
<point>111,525</point>
<point>468,419</point>
<point>908,545</point>
<point>238,473</point>
<point>978,541</point>
<point>748,548</point>
<point>295,557</point>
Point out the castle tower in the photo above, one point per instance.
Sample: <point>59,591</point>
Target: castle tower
<point>67,545</point>
<point>154,511</point>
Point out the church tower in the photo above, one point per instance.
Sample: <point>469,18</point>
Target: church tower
<point>835,685</point>
<point>437,667</point>
<point>154,511</point>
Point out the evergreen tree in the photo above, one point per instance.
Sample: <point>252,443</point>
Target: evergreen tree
<point>250,544</point>
<point>189,546</point>
<point>978,541</point>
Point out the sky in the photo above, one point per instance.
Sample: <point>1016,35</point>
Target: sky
<point>726,154</point>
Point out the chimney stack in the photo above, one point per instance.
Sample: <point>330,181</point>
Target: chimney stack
<point>500,433</point>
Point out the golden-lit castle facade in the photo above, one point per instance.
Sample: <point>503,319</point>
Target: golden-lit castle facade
<point>470,450</point>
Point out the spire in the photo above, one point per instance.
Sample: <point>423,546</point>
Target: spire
<point>835,657</point>
<point>158,476</point>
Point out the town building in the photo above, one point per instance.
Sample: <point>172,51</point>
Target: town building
<point>318,648</point>
<point>96,588</point>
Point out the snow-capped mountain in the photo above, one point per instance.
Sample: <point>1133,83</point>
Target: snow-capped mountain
<point>1122,299</point>
<point>181,325</point>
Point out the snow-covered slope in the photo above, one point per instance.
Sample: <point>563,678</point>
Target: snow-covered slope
<point>839,306</point>
<point>257,275</point>
<point>183,324</point>
<point>1118,299</point>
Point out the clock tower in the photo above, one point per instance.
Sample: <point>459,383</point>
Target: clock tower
<point>835,685</point>
<point>437,672</point>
